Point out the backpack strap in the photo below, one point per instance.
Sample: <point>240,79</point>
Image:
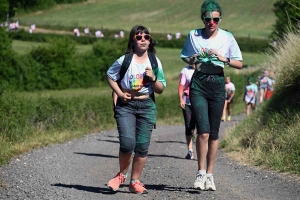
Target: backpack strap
<point>153,62</point>
<point>125,65</point>
<point>127,61</point>
<point>154,66</point>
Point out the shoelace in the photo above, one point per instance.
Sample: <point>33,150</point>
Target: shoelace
<point>139,183</point>
<point>200,177</point>
<point>120,177</point>
<point>209,179</point>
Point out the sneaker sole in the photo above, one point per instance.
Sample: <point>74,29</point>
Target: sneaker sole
<point>133,191</point>
<point>199,188</point>
<point>210,189</point>
<point>113,189</point>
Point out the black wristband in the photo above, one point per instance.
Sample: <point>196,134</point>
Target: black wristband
<point>154,79</point>
<point>228,61</point>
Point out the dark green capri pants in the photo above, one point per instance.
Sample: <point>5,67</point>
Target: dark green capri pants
<point>189,120</point>
<point>207,95</point>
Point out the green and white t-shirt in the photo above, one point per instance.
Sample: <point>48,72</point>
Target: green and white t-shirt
<point>134,77</point>
<point>224,43</point>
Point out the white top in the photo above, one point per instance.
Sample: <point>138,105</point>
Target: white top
<point>223,42</point>
<point>134,77</point>
<point>185,80</point>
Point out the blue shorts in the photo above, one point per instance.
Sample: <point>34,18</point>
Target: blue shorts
<point>135,121</point>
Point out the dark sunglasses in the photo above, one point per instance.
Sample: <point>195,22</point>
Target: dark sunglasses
<point>215,19</point>
<point>139,37</point>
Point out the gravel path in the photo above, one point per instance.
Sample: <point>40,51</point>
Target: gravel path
<point>80,169</point>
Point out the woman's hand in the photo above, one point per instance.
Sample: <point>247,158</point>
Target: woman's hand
<point>125,97</point>
<point>219,56</point>
<point>149,73</point>
<point>182,104</point>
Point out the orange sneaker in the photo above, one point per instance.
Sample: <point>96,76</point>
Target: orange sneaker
<point>137,187</point>
<point>115,183</point>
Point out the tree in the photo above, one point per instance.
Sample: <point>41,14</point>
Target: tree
<point>288,17</point>
<point>3,10</point>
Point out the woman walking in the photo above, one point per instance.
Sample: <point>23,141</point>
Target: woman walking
<point>185,104</point>
<point>213,48</point>
<point>135,110</point>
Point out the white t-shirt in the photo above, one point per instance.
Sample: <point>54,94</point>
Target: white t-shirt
<point>134,77</point>
<point>224,43</point>
<point>229,87</point>
<point>250,91</point>
<point>185,80</point>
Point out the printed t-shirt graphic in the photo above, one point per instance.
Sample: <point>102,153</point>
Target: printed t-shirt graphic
<point>134,77</point>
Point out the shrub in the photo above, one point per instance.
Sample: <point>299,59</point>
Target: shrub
<point>270,136</point>
<point>9,71</point>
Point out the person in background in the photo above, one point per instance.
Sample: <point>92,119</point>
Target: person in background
<point>230,92</point>
<point>213,48</point>
<point>122,34</point>
<point>250,95</point>
<point>87,31</point>
<point>185,104</point>
<point>178,35</point>
<point>76,32</point>
<point>263,82</point>
<point>135,110</point>
<point>270,85</point>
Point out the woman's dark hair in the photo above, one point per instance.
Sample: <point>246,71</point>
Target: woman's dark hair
<point>210,6</point>
<point>138,30</point>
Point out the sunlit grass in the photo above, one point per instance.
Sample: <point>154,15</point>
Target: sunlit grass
<point>24,47</point>
<point>243,18</point>
<point>270,136</point>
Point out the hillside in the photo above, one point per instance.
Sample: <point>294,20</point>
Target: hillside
<point>243,18</point>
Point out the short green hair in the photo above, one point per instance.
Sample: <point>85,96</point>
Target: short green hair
<point>210,6</point>
<point>250,79</point>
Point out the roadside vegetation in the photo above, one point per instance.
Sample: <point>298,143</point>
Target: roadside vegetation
<point>270,136</point>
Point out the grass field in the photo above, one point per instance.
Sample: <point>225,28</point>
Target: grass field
<point>169,57</point>
<point>241,17</point>
<point>172,66</point>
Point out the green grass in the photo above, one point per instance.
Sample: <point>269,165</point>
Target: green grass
<point>270,136</point>
<point>170,59</point>
<point>23,47</point>
<point>243,18</point>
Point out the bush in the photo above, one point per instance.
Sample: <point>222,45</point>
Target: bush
<point>288,18</point>
<point>57,66</point>
<point>270,136</point>
<point>9,71</point>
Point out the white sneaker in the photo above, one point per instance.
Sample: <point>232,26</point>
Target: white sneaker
<point>210,185</point>
<point>200,181</point>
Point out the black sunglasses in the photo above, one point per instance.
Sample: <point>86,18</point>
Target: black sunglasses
<point>215,19</point>
<point>139,37</point>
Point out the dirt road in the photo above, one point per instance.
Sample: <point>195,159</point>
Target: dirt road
<point>80,169</point>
